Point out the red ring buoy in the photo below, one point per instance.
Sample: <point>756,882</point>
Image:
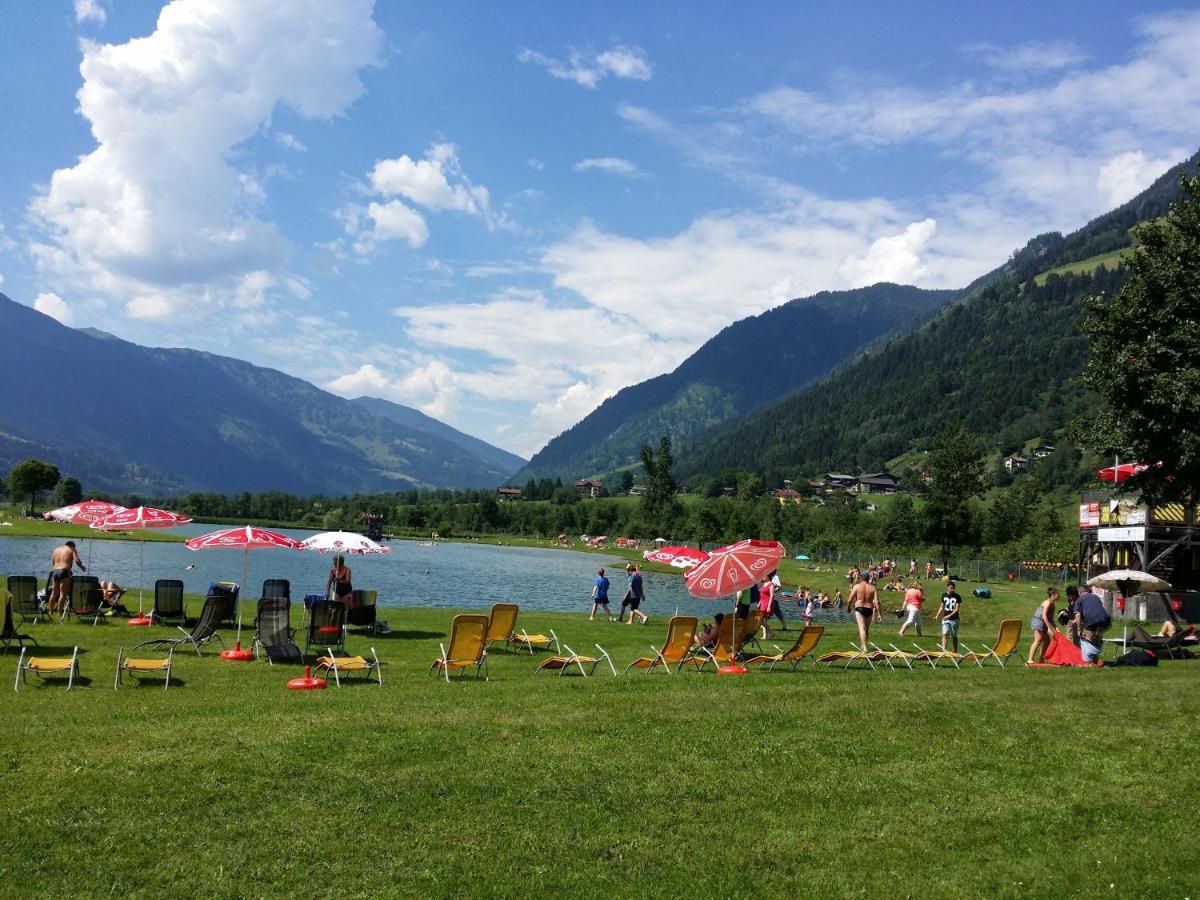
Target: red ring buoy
<point>140,621</point>
<point>733,669</point>
<point>329,629</point>
<point>237,654</point>
<point>307,683</point>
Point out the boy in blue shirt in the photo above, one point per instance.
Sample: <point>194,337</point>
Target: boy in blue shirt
<point>600,596</point>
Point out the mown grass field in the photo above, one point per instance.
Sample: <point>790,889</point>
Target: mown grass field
<point>926,783</point>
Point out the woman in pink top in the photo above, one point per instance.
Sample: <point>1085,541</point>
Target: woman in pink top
<point>913,598</point>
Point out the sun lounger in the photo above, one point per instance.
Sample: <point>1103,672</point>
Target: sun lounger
<point>1173,647</point>
<point>168,602</point>
<point>563,663</point>
<point>144,666</point>
<point>344,665</point>
<point>891,657</point>
<point>731,633</point>
<point>933,657</point>
<point>1007,643</point>
<point>501,622</point>
<point>326,625</point>
<point>202,632</point>
<point>25,601</point>
<point>799,651</point>
<point>47,666</point>
<point>468,647</point>
<point>531,642</point>
<point>10,633</point>
<point>676,649</point>
<point>273,632</point>
<point>86,597</point>
<point>851,656</point>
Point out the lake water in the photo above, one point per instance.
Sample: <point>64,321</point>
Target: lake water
<point>451,575</point>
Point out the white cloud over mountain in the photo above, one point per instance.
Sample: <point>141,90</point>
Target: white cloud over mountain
<point>588,69</point>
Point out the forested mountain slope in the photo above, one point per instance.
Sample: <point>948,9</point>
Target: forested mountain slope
<point>747,364</point>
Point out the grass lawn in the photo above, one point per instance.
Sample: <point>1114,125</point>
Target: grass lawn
<point>18,527</point>
<point>924,783</point>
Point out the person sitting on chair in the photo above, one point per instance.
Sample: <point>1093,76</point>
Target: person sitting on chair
<point>708,637</point>
<point>111,594</point>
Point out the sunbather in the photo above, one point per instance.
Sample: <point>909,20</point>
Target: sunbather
<point>708,637</point>
<point>111,594</point>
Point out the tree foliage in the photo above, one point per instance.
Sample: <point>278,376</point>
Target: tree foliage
<point>1145,355</point>
<point>955,477</point>
<point>31,477</point>
<point>69,490</point>
<point>658,500</point>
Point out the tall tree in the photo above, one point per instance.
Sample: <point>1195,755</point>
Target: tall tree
<point>956,475</point>
<point>30,477</point>
<point>69,490</point>
<point>658,500</point>
<point>1145,355</point>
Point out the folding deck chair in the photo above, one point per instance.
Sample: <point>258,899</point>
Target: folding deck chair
<point>326,625</point>
<point>1174,647</point>
<point>933,657</point>
<point>851,656</point>
<point>86,599</point>
<point>501,622</point>
<point>202,632</point>
<point>343,665</point>
<point>10,633</point>
<point>892,656</point>
<point>226,594</point>
<point>47,666</point>
<point>531,642</point>
<point>563,663</point>
<point>1007,643</point>
<point>273,632</point>
<point>168,602</point>
<point>25,601</point>
<point>731,634</point>
<point>468,647</point>
<point>803,649</point>
<point>676,649</point>
<point>363,612</point>
<point>144,666</point>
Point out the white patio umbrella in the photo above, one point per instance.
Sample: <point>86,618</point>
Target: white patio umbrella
<point>343,542</point>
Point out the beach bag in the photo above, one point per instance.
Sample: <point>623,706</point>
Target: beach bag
<point>984,593</point>
<point>1137,658</point>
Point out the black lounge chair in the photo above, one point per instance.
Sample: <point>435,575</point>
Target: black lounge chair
<point>273,631</point>
<point>86,599</point>
<point>362,613</point>
<point>25,601</point>
<point>326,626</point>
<point>10,634</point>
<point>1174,647</point>
<point>202,632</point>
<point>226,593</point>
<point>168,602</point>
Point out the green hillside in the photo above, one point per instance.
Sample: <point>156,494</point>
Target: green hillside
<point>1110,260</point>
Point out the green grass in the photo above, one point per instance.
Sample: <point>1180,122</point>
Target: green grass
<point>1109,260</point>
<point>939,783</point>
<point>17,527</point>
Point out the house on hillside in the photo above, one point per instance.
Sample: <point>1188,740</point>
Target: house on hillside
<point>1041,451</point>
<point>878,483</point>
<point>637,490</point>
<point>1016,463</point>
<point>508,493</point>
<point>589,489</point>
<point>787,495</point>
<point>836,482</point>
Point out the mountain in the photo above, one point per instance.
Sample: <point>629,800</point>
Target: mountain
<point>1004,359</point>
<point>126,418</point>
<point>416,420</point>
<point>749,363</point>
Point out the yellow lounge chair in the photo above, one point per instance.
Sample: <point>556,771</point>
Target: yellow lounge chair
<point>468,647</point>
<point>933,657</point>
<point>141,667</point>
<point>530,642</point>
<point>853,655</point>
<point>45,666</point>
<point>340,665</point>
<point>1007,642</point>
<point>732,632</point>
<point>678,647</point>
<point>563,663</point>
<point>501,622</point>
<point>891,656</point>
<point>801,650</point>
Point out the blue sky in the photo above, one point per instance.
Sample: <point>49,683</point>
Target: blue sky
<point>503,213</point>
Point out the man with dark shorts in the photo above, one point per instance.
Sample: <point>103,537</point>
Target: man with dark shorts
<point>1091,621</point>
<point>61,562</point>
<point>633,595</point>
<point>948,613</point>
<point>864,604</point>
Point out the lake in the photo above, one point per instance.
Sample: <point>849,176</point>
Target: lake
<point>450,575</point>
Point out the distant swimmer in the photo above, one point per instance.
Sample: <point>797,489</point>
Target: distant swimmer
<point>190,566</point>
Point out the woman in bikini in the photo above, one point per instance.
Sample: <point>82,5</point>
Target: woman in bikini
<point>338,588</point>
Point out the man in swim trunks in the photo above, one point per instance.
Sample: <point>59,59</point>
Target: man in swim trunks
<point>864,603</point>
<point>61,562</point>
<point>633,595</point>
<point>948,613</point>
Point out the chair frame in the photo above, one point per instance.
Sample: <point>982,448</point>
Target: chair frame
<point>445,663</point>
<point>980,658</point>
<point>71,668</point>
<point>506,639</point>
<point>658,659</point>
<point>333,611</point>
<point>209,618</point>
<point>333,666</point>
<point>563,663</point>
<point>28,608</point>
<point>258,644</point>
<point>771,662</point>
<point>527,641</point>
<point>933,657</point>
<point>82,583</point>
<point>9,634</point>
<point>122,666</point>
<point>170,617</point>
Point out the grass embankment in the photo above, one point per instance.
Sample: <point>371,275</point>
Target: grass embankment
<point>42,528</point>
<point>932,783</point>
<point>1110,260</point>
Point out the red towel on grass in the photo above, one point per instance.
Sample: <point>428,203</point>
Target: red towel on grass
<point>1063,653</point>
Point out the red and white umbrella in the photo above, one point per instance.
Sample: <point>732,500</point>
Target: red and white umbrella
<point>734,568</point>
<point>83,513</point>
<point>342,542</point>
<point>1120,472</point>
<point>680,557</point>
<point>136,519</point>
<point>245,539</point>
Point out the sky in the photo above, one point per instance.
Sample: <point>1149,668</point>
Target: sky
<point>503,213</point>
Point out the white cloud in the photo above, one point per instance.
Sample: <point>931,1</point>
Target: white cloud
<point>1029,57</point>
<point>89,10</point>
<point>430,387</point>
<point>289,142</point>
<point>613,165</point>
<point>425,181</point>
<point>54,306</point>
<point>896,258</point>
<point>156,214</point>
<point>588,69</point>
<point>393,221</point>
<point>1126,174</point>
<point>536,164</point>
